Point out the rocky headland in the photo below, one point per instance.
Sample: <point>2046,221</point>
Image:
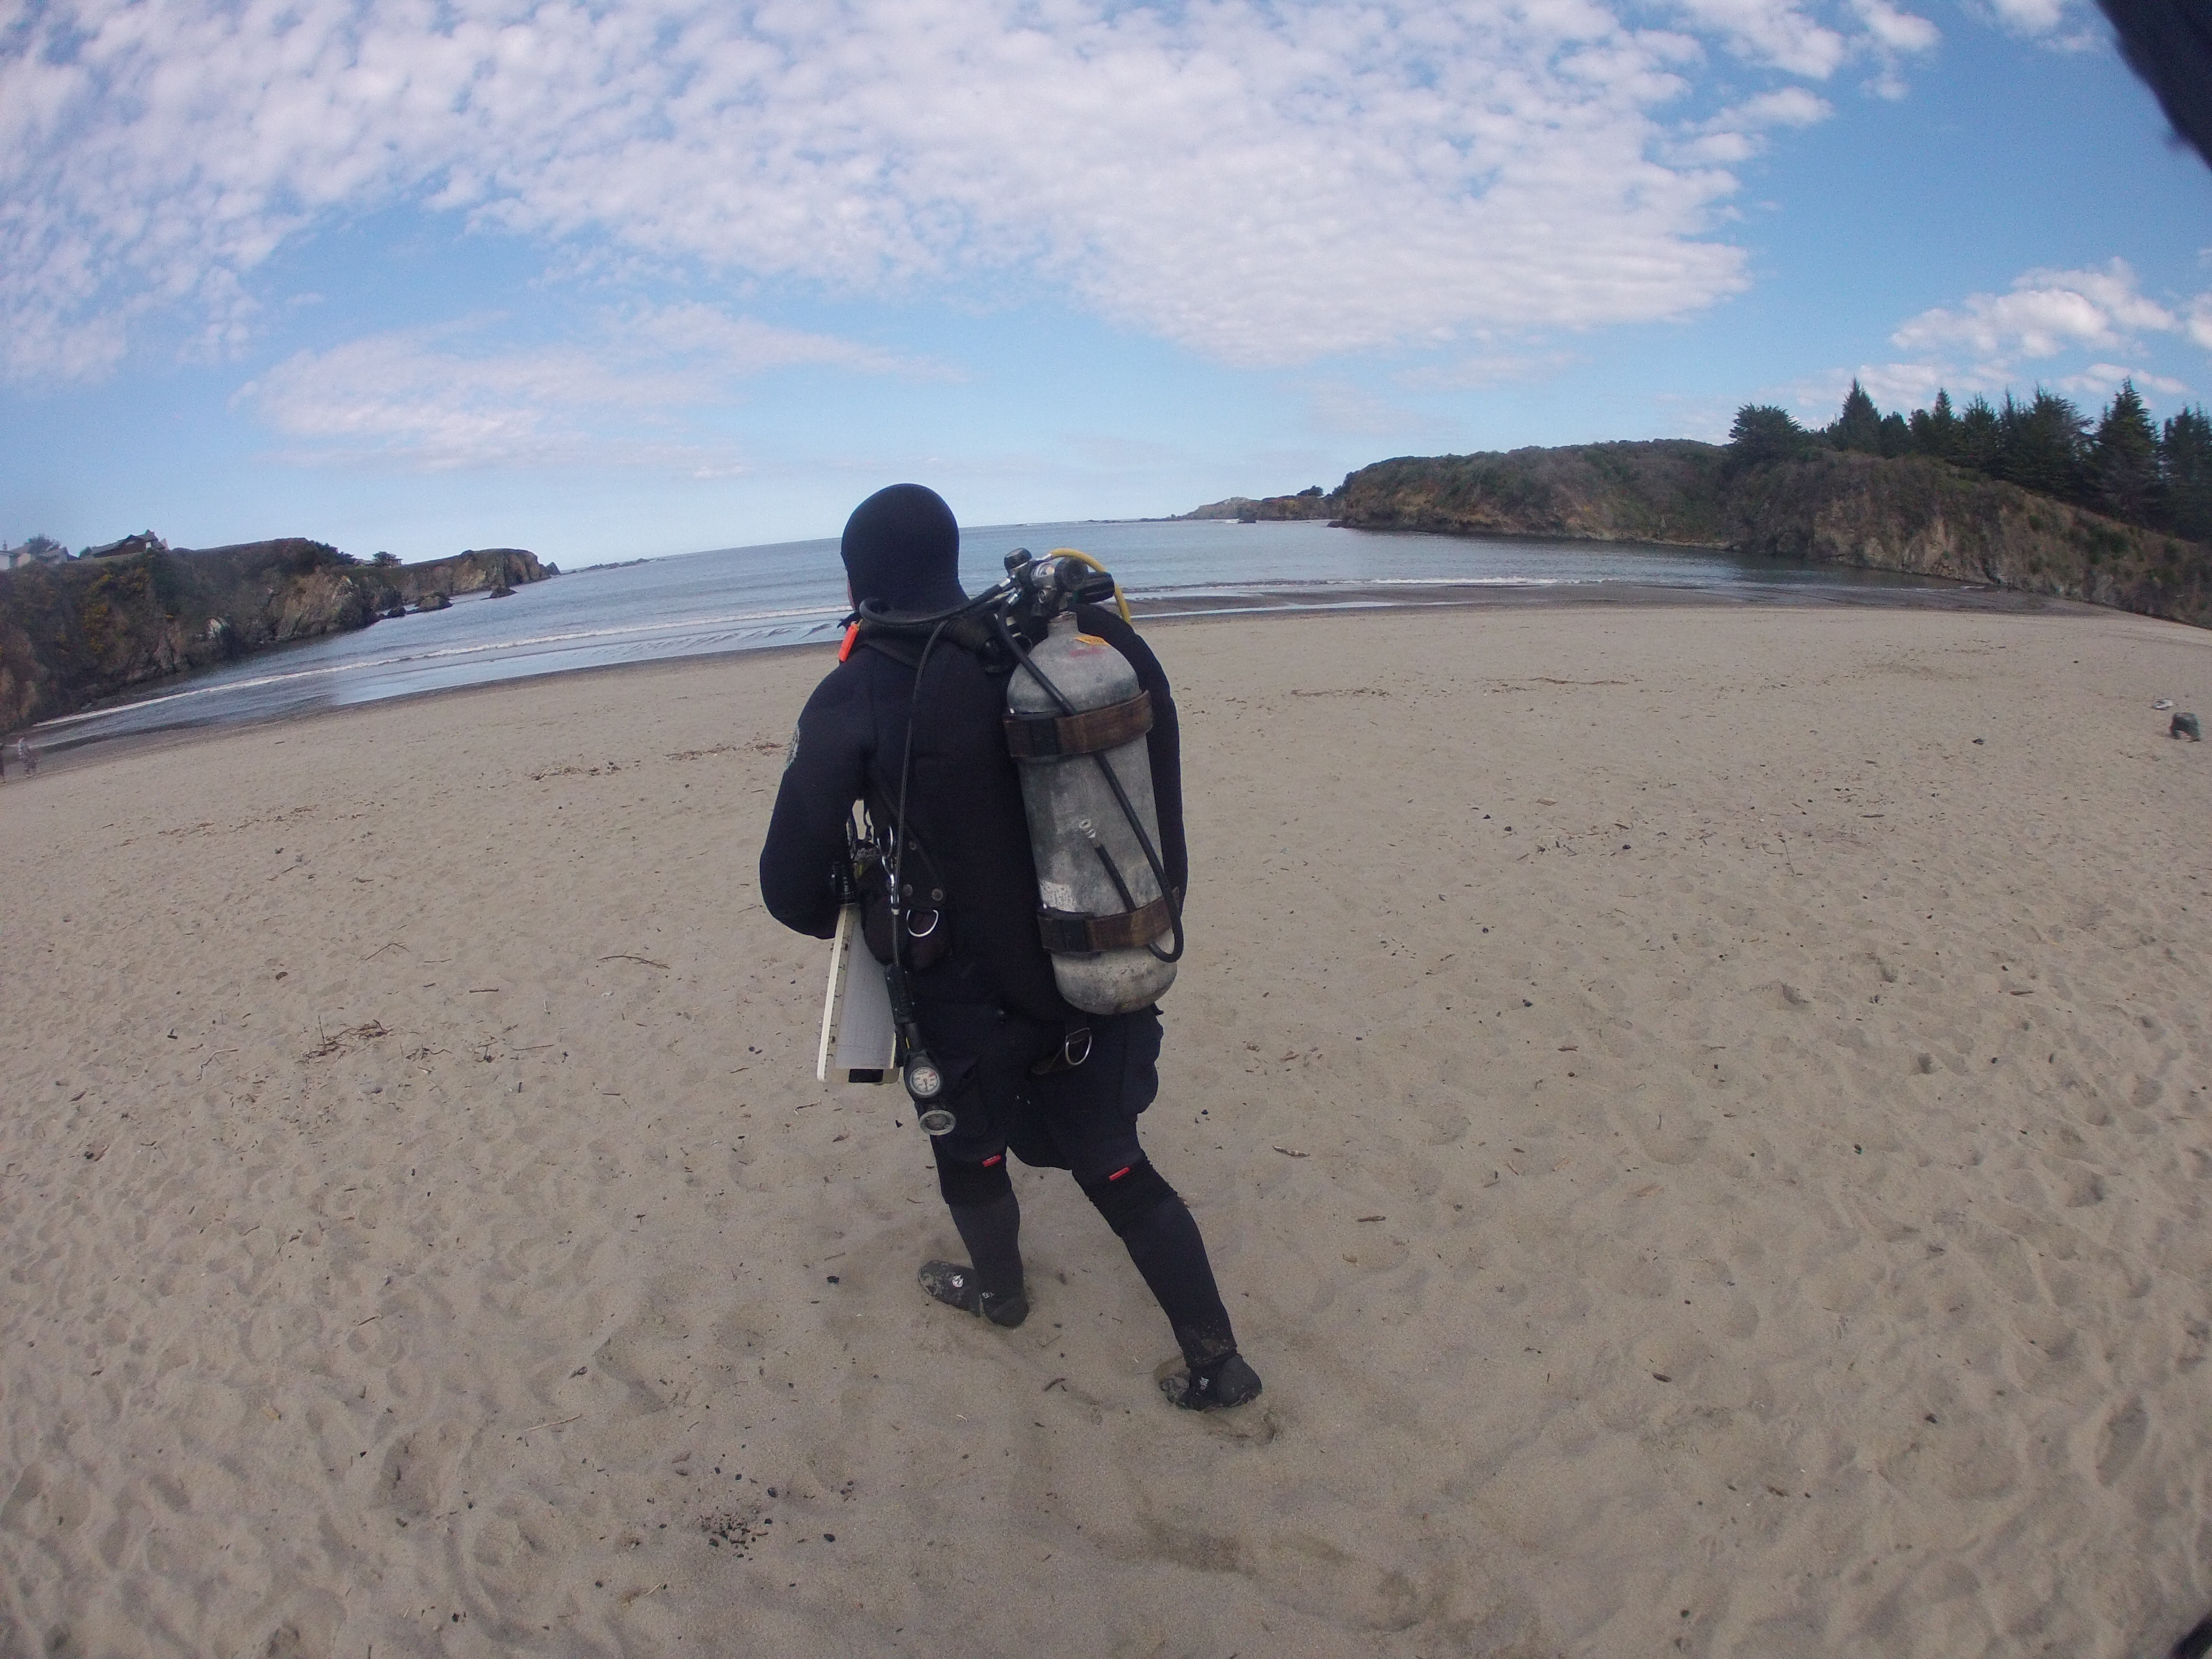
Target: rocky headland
<point>1314,504</point>
<point>75,632</point>
<point>1906,513</point>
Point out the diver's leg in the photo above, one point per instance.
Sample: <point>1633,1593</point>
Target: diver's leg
<point>1095,1111</point>
<point>1163,1239</point>
<point>968,1041</point>
<point>988,1217</point>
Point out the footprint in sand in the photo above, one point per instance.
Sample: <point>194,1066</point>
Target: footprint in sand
<point>2123,1439</point>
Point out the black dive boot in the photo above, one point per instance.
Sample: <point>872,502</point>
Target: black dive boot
<point>1217,1376</point>
<point>958,1287</point>
<point>993,1287</point>
<point>1164,1242</point>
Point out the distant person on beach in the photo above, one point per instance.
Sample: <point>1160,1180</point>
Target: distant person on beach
<point>27,752</point>
<point>1024,1072</point>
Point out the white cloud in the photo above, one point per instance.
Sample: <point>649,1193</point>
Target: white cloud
<point>1773,32</point>
<point>2100,380</point>
<point>1782,35</point>
<point>2075,331</point>
<point>443,397</point>
<point>1738,134</point>
<point>2030,16</point>
<point>1898,31</point>
<point>2045,313</point>
<point>1260,180</point>
<point>744,345</point>
<point>1786,107</point>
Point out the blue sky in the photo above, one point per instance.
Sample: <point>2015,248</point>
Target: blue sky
<point>651,275</point>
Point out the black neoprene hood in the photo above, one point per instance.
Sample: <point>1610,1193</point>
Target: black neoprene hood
<point>902,545</point>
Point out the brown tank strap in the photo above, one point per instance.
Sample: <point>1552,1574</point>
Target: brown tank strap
<point>1049,736</point>
<point>1070,932</point>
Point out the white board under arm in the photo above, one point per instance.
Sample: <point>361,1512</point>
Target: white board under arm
<point>866,1039</point>
<point>847,920</point>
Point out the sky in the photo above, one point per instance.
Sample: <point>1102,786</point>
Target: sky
<point>639,277</point>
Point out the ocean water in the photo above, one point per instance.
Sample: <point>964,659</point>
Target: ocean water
<point>749,598</point>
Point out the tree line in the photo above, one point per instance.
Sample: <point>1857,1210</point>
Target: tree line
<point>2122,465</point>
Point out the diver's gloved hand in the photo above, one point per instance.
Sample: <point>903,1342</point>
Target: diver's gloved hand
<point>958,1287</point>
<point>1219,1383</point>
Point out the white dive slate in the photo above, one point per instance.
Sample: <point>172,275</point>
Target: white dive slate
<point>856,1009</point>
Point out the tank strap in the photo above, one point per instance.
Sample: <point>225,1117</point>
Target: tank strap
<point>902,642</point>
<point>1071,932</point>
<point>1049,736</point>
<point>906,653</point>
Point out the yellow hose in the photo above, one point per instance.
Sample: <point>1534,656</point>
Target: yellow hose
<point>1120,604</point>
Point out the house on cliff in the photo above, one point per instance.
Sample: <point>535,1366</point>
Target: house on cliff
<point>40,550</point>
<point>144,542</point>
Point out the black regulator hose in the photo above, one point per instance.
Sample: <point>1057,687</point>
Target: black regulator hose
<point>877,613</point>
<point>923,1081</point>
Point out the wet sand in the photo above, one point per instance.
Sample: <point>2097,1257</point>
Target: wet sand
<point>1709,1158</point>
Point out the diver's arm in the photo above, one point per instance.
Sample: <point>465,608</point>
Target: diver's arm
<point>1162,743</point>
<point>825,774</point>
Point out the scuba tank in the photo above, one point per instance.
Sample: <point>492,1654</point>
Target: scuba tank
<point>1076,720</point>
<point>1075,709</point>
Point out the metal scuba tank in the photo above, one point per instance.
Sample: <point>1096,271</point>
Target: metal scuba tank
<point>1102,906</point>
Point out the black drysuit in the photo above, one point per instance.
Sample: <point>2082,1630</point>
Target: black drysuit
<point>989,1011</point>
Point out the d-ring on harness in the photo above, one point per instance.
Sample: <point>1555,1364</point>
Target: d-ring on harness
<point>1074,1048</point>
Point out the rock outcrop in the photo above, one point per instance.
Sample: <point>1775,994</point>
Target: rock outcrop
<point>71,634</point>
<point>479,570</point>
<point>1907,514</point>
<point>1919,516</point>
<point>1312,503</point>
<point>1669,491</point>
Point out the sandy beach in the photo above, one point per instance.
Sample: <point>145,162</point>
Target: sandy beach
<point>1703,1118</point>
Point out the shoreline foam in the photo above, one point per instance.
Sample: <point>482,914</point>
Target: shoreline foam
<point>77,731</point>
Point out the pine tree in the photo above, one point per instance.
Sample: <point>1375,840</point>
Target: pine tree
<point>1764,432</point>
<point>1859,427</point>
<point>2062,435</point>
<point>1896,436</point>
<point>2123,459</point>
<point>1935,431</point>
<point>1981,436</point>
<point>2012,425</point>
<point>2040,446</point>
<point>2184,466</point>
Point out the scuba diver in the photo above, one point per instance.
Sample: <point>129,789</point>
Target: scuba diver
<point>913,725</point>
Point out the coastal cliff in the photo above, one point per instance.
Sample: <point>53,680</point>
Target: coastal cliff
<point>1312,503</point>
<point>1923,516</point>
<point>476,571</point>
<point>1907,514</point>
<point>1669,491</point>
<point>73,633</point>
